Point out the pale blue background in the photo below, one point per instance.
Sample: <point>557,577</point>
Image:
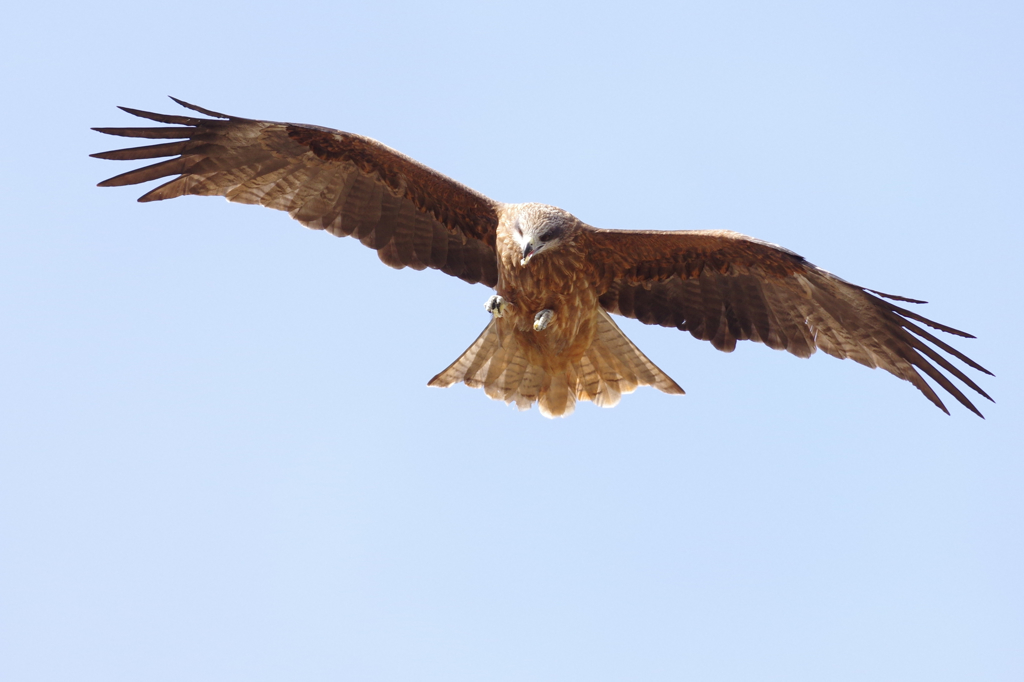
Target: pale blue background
<point>220,460</point>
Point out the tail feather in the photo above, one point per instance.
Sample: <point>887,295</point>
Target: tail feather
<point>558,400</point>
<point>529,388</point>
<point>467,364</point>
<point>612,366</point>
<point>613,371</point>
<point>504,377</point>
<point>499,365</point>
<point>588,381</point>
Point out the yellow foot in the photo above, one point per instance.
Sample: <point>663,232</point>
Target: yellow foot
<point>495,305</point>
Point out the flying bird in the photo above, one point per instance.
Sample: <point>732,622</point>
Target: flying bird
<point>557,281</point>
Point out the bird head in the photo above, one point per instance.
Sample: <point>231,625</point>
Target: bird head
<point>538,228</point>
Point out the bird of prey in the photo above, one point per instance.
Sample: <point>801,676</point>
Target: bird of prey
<point>551,338</point>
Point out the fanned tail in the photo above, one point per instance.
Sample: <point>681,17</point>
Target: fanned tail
<point>611,367</point>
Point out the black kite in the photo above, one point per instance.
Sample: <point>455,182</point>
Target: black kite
<point>551,339</point>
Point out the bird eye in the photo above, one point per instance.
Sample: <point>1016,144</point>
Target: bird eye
<point>546,237</point>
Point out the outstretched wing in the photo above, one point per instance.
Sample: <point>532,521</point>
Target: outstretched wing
<point>724,287</point>
<point>326,179</point>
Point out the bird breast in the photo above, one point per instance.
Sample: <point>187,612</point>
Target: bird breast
<point>553,280</point>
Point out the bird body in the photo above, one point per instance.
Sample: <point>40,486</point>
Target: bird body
<point>562,284</point>
<point>551,339</point>
<point>580,353</point>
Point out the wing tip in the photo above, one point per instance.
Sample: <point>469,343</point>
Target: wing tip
<point>201,110</point>
<point>963,400</point>
<point>106,130</point>
<point>894,297</point>
<point>133,112</point>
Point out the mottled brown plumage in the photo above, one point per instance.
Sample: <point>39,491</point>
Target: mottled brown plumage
<point>552,340</point>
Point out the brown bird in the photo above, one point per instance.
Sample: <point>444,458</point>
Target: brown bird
<point>551,338</point>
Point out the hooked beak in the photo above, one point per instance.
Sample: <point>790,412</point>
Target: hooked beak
<point>528,252</point>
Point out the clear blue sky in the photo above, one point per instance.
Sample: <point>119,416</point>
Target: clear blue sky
<point>219,459</point>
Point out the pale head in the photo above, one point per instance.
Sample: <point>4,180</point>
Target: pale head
<point>538,228</point>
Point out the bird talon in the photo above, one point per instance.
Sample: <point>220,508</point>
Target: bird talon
<point>542,320</point>
<point>496,305</point>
